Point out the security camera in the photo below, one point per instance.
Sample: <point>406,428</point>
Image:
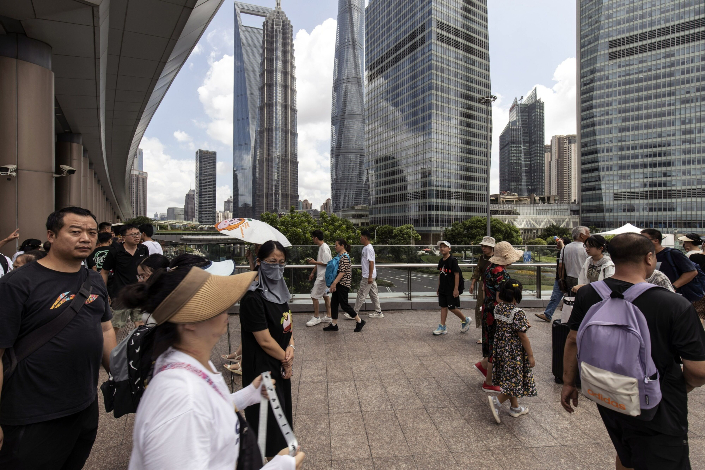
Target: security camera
<point>8,170</point>
<point>65,171</point>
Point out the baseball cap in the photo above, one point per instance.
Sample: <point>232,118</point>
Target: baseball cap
<point>443,242</point>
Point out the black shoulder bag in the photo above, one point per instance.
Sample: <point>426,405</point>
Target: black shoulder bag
<point>35,339</point>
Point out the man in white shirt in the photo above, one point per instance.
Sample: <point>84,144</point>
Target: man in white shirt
<point>574,255</point>
<point>154,247</point>
<point>319,291</point>
<point>368,283</point>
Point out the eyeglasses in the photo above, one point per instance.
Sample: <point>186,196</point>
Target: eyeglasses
<point>133,234</point>
<point>274,261</point>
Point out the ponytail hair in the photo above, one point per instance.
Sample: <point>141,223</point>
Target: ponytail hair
<point>343,243</point>
<point>510,290</point>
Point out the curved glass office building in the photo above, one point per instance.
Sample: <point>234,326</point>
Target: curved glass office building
<point>640,113</point>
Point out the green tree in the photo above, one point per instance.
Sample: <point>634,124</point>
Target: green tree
<point>554,230</point>
<point>536,241</point>
<point>335,227</point>
<point>471,231</point>
<point>295,226</point>
<point>141,220</point>
<point>404,235</point>
<point>385,235</point>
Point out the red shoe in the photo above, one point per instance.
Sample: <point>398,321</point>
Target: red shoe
<point>490,388</point>
<point>481,369</point>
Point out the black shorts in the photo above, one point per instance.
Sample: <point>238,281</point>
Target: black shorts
<point>448,301</point>
<point>645,449</point>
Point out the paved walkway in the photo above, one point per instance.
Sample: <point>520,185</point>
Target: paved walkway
<point>396,397</point>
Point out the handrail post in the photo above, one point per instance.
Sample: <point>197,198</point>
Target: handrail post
<point>538,282</point>
<point>408,283</point>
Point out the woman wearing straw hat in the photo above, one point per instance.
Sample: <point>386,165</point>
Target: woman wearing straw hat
<point>487,245</point>
<point>495,275</point>
<point>186,417</point>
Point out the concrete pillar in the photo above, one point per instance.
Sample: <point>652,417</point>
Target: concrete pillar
<point>84,180</point>
<point>26,136</point>
<point>89,189</point>
<point>96,192</point>
<point>69,152</point>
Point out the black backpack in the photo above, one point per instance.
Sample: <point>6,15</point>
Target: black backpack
<point>131,369</point>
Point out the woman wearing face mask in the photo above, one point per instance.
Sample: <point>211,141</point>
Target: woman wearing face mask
<point>267,340</point>
<point>597,267</point>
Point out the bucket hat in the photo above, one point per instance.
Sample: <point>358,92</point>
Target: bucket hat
<point>488,241</point>
<point>201,296</point>
<point>505,254</point>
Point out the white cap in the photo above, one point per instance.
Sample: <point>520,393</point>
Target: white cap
<point>443,242</point>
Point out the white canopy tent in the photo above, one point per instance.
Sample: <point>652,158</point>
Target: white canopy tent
<point>668,239</point>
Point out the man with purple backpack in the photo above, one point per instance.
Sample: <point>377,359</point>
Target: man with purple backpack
<point>629,340</point>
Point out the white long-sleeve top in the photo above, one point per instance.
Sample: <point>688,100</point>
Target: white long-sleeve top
<point>606,271</point>
<point>182,422</point>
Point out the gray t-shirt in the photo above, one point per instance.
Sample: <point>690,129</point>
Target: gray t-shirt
<point>574,256</point>
<point>323,257</point>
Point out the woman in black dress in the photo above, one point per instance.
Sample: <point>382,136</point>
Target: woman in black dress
<point>267,340</point>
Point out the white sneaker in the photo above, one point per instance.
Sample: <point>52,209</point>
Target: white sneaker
<point>313,321</point>
<point>376,315</point>
<point>516,412</point>
<point>326,319</point>
<point>494,406</point>
<point>347,316</point>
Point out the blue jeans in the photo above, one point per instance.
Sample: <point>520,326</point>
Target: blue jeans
<point>556,297</point>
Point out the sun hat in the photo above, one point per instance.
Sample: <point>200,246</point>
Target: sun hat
<point>488,241</point>
<point>505,254</point>
<point>221,268</point>
<point>443,242</point>
<point>200,296</point>
<point>692,238</point>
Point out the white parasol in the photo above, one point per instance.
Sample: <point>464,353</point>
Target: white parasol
<point>252,231</point>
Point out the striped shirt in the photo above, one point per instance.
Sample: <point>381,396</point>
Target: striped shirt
<point>345,267</point>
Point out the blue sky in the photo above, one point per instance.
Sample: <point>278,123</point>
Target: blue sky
<point>531,44</point>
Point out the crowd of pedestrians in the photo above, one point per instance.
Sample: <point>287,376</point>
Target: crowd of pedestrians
<point>63,302</point>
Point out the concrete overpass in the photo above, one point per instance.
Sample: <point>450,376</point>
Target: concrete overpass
<point>79,83</point>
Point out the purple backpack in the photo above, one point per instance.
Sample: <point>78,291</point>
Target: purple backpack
<point>614,354</point>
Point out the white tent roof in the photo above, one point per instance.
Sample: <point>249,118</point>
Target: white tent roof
<point>628,228</point>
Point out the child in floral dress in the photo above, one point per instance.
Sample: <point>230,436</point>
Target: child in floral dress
<point>513,358</point>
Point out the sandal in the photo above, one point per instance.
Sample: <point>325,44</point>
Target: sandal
<point>479,341</point>
<point>231,359</point>
<point>234,368</point>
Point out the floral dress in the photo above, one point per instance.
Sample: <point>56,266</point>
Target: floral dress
<point>494,276</point>
<point>511,371</point>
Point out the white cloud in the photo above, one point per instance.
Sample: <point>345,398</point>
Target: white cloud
<point>216,96</point>
<point>169,178</point>
<point>559,111</point>
<point>197,50</point>
<point>184,139</point>
<point>315,53</point>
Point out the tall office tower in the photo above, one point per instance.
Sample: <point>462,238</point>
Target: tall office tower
<point>564,169</point>
<point>139,160</point>
<point>190,206</point>
<point>138,187</point>
<point>640,114</point>
<point>347,143</point>
<point>549,173</point>
<point>521,148</point>
<point>228,205</point>
<point>247,60</point>
<point>205,186</point>
<point>276,186</point>
<point>427,66</point>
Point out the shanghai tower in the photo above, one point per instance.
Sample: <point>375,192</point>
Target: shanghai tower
<point>347,153</point>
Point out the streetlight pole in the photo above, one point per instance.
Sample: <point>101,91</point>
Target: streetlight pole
<point>487,101</point>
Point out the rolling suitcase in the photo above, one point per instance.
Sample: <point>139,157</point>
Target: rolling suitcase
<point>559,334</point>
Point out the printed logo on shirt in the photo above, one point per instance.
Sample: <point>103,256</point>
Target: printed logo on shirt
<point>66,296</point>
<point>99,258</point>
<point>286,321</point>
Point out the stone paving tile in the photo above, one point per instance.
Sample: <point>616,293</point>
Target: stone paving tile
<point>397,397</point>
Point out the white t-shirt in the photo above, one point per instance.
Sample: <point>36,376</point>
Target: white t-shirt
<point>9,266</point>
<point>368,254</point>
<point>323,257</point>
<point>574,256</point>
<point>182,422</point>
<point>153,247</point>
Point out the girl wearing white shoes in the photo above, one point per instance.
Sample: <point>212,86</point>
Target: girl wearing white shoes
<point>513,358</point>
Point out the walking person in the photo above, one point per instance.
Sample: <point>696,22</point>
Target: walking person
<point>318,276</point>
<point>187,416</point>
<point>495,275</point>
<point>676,338</point>
<point>267,337</point>
<point>487,246</point>
<point>147,231</point>
<point>368,282</point>
<point>49,405</point>
<point>574,256</point>
<point>597,267</point>
<point>448,290</point>
<point>513,356</point>
<point>340,288</point>
<point>557,293</point>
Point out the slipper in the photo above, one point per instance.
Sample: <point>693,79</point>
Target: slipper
<point>542,317</point>
<point>234,368</point>
<point>479,341</point>
<point>231,359</point>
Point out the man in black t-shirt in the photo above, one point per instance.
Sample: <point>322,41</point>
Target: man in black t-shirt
<point>49,405</point>
<point>676,338</point>
<point>448,293</point>
<point>96,259</point>
<point>675,265</point>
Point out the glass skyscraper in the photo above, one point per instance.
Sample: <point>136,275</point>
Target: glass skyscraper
<point>205,186</point>
<point>276,185</point>
<point>347,148</point>
<point>521,148</point>
<point>427,66</point>
<point>248,56</point>
<point>640,113</point>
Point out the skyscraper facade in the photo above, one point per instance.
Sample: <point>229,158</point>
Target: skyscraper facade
<point>276,186</point>
<point>247,61</point>
<point>190,206</point>
<point>427,66</point>
<point>138,186</point>
<point>563,181</point>
<point>205,186</point>
<point>521,148</point>
<point>228,205</point>
<point>347,147</point>
<point>640,114</point>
